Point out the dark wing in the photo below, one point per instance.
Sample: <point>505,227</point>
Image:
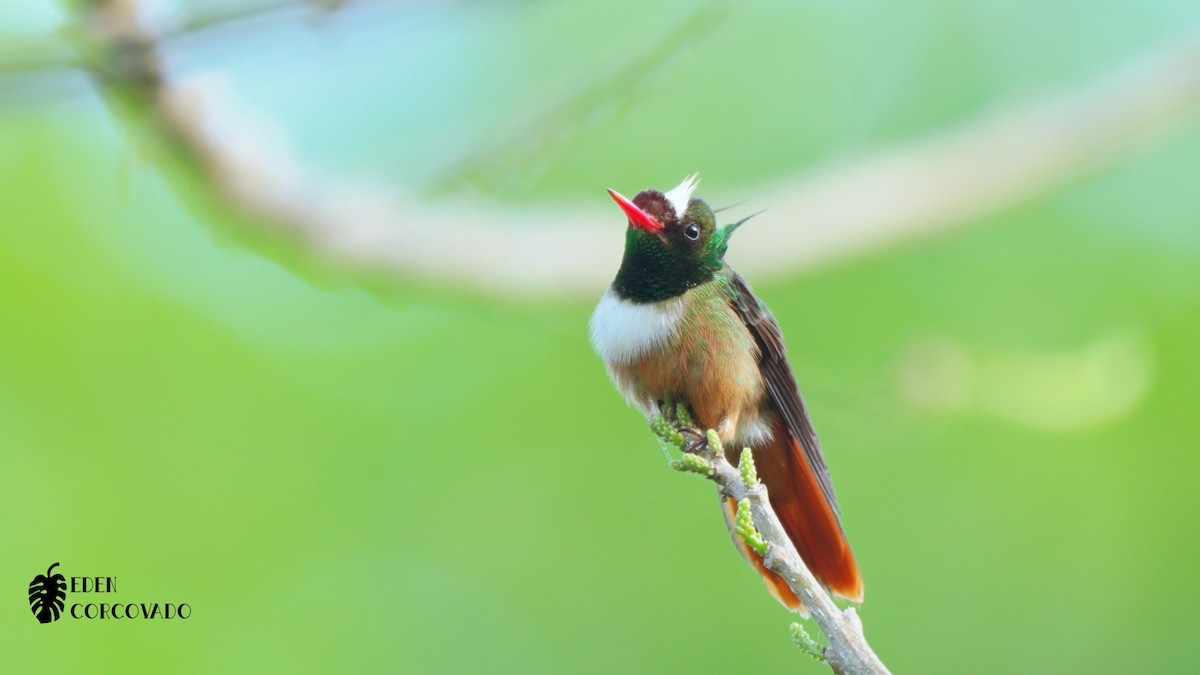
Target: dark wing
<point>781,384</point>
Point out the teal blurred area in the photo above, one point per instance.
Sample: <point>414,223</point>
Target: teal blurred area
<point>363,476</point>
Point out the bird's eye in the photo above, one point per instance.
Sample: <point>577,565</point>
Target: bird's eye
<point>692,231</point>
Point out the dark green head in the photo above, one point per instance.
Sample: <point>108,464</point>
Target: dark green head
<point>672,245</point>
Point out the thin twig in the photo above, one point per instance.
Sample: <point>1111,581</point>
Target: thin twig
<point>525,149</point>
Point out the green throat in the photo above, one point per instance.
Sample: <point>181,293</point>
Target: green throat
<point>651,271</point>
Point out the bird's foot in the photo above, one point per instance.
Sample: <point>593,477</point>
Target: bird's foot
<point>695,439</point>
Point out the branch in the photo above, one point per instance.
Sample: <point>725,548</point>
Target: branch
<point>927,186</point>
<point>109,23</point>
<point>848,652</point>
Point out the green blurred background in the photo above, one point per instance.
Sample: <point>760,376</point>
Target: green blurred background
<point>355,474</point>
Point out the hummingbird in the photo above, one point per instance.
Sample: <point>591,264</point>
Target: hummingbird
<point>678,323</point>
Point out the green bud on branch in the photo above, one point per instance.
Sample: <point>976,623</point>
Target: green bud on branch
<point>666,432</point>
<point>714,443</point>
<point>806,643</point>
<point>746,468</point>
<point>693,464</point>
<point>683,415</point>
<point>743,524</point>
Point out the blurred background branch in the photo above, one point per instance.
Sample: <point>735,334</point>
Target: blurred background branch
<point>815,218</point>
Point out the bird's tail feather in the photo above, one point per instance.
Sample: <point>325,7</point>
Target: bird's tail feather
<point>808,518</point>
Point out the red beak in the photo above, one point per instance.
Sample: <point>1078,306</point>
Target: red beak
<point>637,217</point>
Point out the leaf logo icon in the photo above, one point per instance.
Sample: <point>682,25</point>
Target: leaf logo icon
<point>48,595</point>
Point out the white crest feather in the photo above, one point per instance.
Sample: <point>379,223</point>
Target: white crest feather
<point>682,194</point>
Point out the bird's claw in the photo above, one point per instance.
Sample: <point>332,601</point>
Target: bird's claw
<point>695,440</point>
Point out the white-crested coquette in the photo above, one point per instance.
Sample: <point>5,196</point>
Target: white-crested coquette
<point>677,323</point>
